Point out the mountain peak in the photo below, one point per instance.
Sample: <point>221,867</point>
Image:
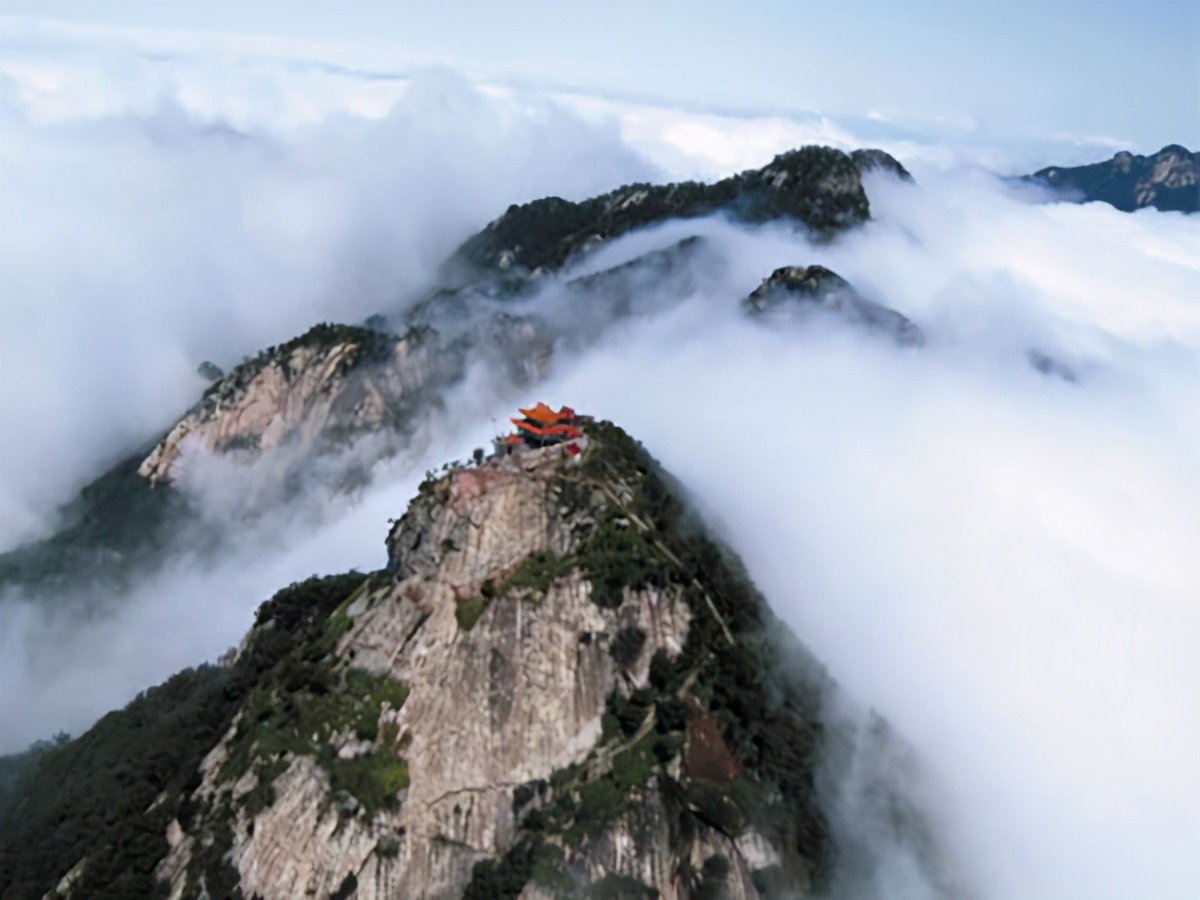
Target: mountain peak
<point>555,663</point>
<point>805,290</point>
<point>1166,180</point>
<point>817,187</point>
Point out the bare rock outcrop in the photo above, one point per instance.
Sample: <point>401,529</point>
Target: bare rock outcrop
<point>337,384</point>
<point>558,687</point>
<point>332,380</point>
<point>558,683</point>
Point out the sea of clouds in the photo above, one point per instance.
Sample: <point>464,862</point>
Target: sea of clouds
<point>1002,562</point>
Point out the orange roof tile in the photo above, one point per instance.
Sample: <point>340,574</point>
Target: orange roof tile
<point>541,413</point>
<point>565,431</point>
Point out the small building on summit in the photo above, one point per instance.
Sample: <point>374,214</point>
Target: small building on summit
<point>541,426</point>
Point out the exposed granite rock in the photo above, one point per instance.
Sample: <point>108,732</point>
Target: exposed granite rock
<point>558,687</point>
<point>814,283</point>
<point>601,716</point>
<point>1168,180</point>
<point>315,395</point>
<point>332,381</point>
<point>814,289</point>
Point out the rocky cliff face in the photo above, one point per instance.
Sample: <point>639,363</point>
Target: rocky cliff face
<point>312,388</point>
<point>559,687</point>
<point>314,397</point>
<point>1168,180</point>
<point>555,689</point>
<point>318,392</point>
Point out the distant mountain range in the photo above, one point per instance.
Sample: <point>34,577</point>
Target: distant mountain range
<point>1169,180</point>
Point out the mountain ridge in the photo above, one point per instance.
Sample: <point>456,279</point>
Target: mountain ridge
<point>337,384</point>
<point>818,187</point>
<point>1168,180</point>
<point>557,661</point>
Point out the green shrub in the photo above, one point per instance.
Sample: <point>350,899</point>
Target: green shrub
<point>373,779</point>
<point>468,612</point>
<point>505,878</point>
<point>627,646</point>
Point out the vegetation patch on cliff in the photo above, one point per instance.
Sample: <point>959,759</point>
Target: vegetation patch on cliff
<point>529,581</point>
<point>308,703</point>
<point>109,794</point>
<point>373,779</point>
<point>367,346</point>
<point>744,750</point>
<point>707,739</point>
<point>727,652</point>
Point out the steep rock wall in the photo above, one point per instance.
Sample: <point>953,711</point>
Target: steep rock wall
<point>300,395</point>
<point>526,698</point>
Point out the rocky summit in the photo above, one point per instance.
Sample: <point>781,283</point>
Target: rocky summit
<point>1167,180</point>
<point>560,686</point>
<point>817,187</point>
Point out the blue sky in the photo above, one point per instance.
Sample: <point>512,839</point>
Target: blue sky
<point>1107,68</point>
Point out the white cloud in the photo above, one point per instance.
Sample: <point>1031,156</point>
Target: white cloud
<point>63,664</point>
<point>58,675</point>
<point>146,234</point>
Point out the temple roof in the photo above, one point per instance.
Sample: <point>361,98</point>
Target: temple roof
<point>544,415</point>
<point>553,430</point>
